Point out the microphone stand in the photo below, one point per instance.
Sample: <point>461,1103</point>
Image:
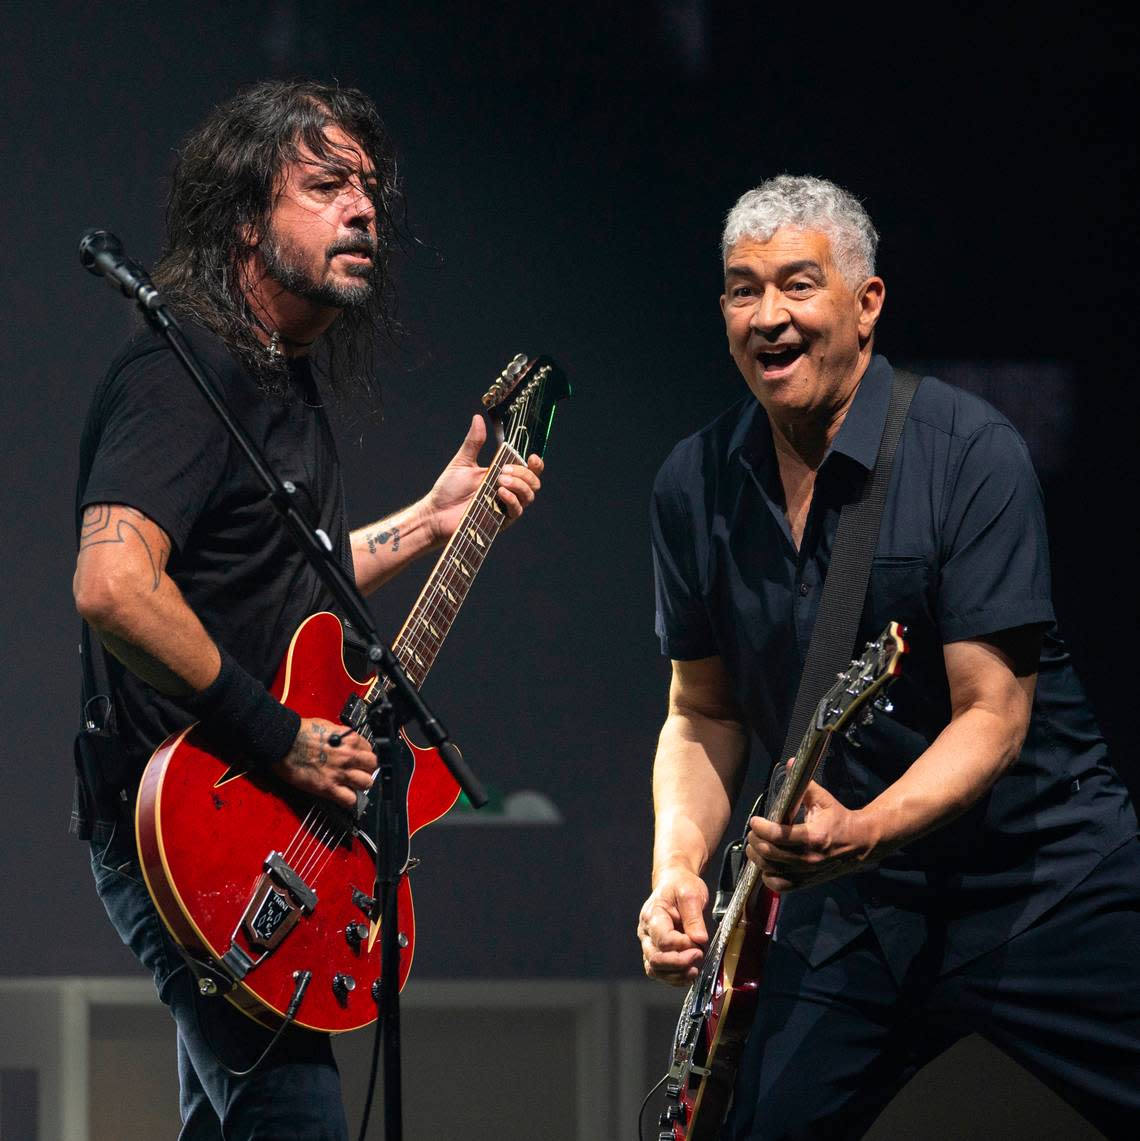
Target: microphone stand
<point>101,254</point>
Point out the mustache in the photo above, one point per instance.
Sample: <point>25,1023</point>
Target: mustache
<point>356,244</point>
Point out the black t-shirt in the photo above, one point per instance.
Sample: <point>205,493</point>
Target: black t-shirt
<point>153,443</point>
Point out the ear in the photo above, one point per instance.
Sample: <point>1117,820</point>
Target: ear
<point>869,298</point>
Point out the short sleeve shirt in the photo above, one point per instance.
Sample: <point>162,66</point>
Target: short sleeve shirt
<point>962,553</point>
<point>151,442</point>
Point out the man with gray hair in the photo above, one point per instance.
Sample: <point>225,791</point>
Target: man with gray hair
<point>973,862</point>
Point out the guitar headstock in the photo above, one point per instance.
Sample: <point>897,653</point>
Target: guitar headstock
<point>522,401</point>
<point>865,679</point>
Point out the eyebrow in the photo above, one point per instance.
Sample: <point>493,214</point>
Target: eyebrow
<point>788,269</point>
<point>321,166</point>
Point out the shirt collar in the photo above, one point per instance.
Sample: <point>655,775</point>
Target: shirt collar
<point>859,435</point>
<point>862,429</point>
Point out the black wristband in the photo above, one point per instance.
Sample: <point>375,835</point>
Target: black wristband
<point>242,718</point>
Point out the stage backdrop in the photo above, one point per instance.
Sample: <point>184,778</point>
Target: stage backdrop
<point>566,175</point>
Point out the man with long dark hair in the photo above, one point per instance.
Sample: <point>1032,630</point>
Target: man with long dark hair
<point>281,221</point>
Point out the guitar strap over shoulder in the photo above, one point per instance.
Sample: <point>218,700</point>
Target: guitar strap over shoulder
<point>845,588</point>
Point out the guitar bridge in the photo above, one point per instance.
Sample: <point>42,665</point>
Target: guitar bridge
<point>280,897</point>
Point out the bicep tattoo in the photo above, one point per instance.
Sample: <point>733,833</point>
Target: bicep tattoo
<point>115,523</point>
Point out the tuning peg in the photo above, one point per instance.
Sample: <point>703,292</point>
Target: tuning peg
<point>867,716</point>
<point>516,366</point>
<point>884,704</point>
<point>851,734</point>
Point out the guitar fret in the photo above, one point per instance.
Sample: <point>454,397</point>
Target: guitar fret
<point>419,641</point>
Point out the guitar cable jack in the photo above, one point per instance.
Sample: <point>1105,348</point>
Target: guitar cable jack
<point>303,979</point>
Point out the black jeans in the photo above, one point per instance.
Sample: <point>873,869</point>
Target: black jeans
<point>831,1046</point>
<point>294,1096</point>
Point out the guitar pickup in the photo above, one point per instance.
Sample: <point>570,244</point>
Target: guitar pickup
<point>355,712</point>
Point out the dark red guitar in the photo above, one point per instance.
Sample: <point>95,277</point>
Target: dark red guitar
<point>721,1003</point>
<point>258,881</point>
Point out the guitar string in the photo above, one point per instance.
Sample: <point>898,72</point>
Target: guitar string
<point>419,643</point>
<point>467,549</point>
<point>325,839</point>
<point>431,606</point>
<point>747,879</point>
<point>316,834</point>
<point>487,522</point>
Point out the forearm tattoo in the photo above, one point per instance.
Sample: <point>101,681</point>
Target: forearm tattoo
<point>377,540</point>
<point>110,523</point>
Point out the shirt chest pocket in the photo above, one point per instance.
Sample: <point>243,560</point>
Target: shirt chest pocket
<point>901,589</point>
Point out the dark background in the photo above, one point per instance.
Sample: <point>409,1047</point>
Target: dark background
<point>567,169</point>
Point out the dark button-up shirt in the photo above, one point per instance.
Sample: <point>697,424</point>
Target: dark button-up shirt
<point>962,553</point>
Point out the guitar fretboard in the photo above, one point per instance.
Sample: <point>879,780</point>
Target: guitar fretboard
<point>807,760</point>
<point>419,640</point>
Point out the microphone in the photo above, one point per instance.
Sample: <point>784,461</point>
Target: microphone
<point>101,253</point>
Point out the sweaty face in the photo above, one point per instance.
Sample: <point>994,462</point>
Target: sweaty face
<point>799,333</point>
<point>321,239</point>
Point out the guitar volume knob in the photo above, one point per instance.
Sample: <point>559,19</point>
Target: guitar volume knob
<point>343,986</point>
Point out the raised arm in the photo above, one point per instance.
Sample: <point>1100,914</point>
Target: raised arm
<point>699,763</point>
<point>382,549</point>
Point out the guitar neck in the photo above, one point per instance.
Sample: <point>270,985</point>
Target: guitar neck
<point>787,786</point>
<point>781,802</point>
<point>432,616</point>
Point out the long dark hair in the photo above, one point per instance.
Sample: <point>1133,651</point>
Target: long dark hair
<point>223,190</point>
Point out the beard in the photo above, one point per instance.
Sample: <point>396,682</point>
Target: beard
<point>285,264</point>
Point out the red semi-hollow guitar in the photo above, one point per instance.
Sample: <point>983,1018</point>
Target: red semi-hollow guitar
<point>720,1006</point>
<point>257,881</point>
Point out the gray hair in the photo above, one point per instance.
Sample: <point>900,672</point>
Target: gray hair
<point>806,203</point>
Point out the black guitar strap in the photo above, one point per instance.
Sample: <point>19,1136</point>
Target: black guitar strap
<point>845,588</point>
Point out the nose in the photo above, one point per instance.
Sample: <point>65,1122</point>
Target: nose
<point>769,315</point>
<point>359,209</point>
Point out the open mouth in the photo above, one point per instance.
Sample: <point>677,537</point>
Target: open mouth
<point>776,359</point>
